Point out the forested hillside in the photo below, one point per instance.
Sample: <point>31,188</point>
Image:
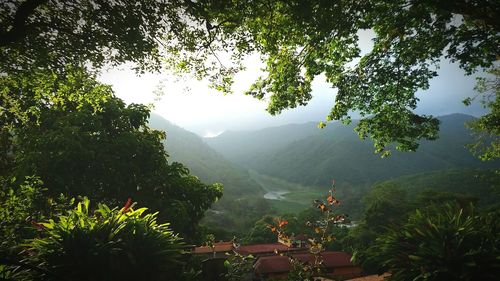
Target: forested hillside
<point>204,162</point>
<point>482,185</point>
<point>245,147</point>
<point>336,152</point>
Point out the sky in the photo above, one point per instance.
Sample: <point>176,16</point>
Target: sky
<point>191,104</point>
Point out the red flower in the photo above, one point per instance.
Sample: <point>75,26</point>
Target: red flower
<point>126,208</point>
<point>271,227</point>
<point>282,223</point>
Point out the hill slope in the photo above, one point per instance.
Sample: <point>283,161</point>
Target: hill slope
<point>314,158</point>
<point>204,162</point>
<point>241,147</point>
<point>481,184</point>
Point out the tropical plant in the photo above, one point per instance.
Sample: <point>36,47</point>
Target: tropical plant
<point>443,243</point>
<point>108,244</point>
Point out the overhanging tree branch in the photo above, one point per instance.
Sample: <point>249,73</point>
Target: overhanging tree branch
<point>19,25</point>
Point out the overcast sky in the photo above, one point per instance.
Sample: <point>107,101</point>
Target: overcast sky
<point>208,113</point>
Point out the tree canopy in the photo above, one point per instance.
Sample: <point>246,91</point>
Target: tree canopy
<point>300,40</point>
<point>73,133</point>
<point>51,34</point>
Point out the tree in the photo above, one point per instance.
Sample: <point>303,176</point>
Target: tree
<point>300,40</point>
<point>487,127</point>
<point>82,140</point>
<point>385,206</point>
<point>260,231</point>
<point>51,34</point>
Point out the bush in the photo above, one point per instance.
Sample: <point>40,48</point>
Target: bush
<point>443,243</point>
<point>109,244</point>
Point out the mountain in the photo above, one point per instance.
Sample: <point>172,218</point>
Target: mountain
<point>309,156</point>
<point>239,147</point>
<point>203,161</point>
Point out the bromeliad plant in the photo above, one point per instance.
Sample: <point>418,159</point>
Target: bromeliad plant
<point>443,243</point>
<point>109,244</point>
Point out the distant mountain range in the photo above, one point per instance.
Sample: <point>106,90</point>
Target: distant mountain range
<point>310,156</point>
<point>297,162</point>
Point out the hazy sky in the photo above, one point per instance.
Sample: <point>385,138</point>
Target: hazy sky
<point>208,113</point>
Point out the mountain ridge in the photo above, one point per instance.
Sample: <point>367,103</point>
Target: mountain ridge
<point>337,152</point>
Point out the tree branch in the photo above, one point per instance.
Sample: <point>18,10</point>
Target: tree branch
<point>19,26</point>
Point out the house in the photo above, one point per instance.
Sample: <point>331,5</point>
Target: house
<point>334,264</point>
<point>261,250</point>
<point>218,250</point>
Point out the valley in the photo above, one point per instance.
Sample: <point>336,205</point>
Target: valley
<point>284,169</point>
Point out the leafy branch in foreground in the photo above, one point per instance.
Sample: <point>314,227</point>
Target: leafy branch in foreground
<point>301,40</point>
<point>487,127</point>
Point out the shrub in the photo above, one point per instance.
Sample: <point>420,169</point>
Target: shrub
<point>443,243</point>
<point>109,244</point>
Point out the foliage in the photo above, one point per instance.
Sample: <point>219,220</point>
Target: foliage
<point>260,232</point>
<point>487,127</point>
<point>79,139</point>
<point>49,34</point>
<point>320,240</point>
<point>238,267</point>
<point>17,209</point>
<point>443,243</point>
<point>300,271</point>
<point>385,206</point>
<point>300,40</point>
<point>388,205</point>
<point>124,244</point>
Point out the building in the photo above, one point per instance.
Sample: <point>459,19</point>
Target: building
<point>218,250</point>
<point>270,249</point>
<point>334,264</point>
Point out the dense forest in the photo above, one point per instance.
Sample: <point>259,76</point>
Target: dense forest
<point>93,188</point>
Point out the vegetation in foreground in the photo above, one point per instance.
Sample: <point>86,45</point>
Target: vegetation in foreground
<point>64,135</point>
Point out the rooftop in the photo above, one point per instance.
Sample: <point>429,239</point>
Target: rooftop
<point>277,264</point>
<point>265,248</point>
<point>218,247</point>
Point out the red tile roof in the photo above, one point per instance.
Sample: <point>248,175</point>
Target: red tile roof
<point>218,247</point>
<point>264,249</point>
<point>278,264</point>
